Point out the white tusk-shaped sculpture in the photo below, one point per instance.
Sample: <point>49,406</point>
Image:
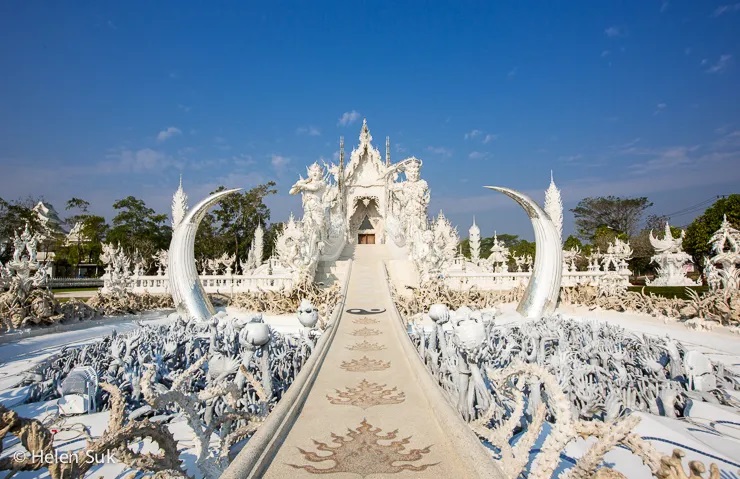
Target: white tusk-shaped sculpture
<point>187,291</point>
<point>541,296</point>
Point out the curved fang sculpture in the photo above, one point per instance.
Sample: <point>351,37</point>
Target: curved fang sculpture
<point>543,289</point>
<point>187,291</point>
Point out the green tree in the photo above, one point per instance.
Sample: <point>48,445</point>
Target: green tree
<point>572,242</point>
<point>696,242</point>
<point>138,227</point>
<point>237,216</point>
<point>619,214</point>
<point>208,243</point>
<point>271,234</point>
<point>14,216</point>
<point>464,247</point>
<point>603,235</point>
<point>86,246</point>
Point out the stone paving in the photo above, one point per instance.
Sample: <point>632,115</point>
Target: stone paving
<point>366,415</point>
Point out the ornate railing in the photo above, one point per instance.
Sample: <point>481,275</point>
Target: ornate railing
<point>75,282</point>
<point>223,284</point>
<point>510,280</point>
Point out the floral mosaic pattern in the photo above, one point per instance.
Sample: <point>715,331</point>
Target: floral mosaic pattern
<point>365,451</point>
<point>367,395</point>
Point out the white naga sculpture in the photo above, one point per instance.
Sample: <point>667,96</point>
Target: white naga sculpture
<point>670,259</point>
<point>410,198</point>
<point>187,291</point>
<point>541,295</point>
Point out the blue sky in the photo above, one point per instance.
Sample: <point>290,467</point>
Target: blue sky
<point>106,99</point>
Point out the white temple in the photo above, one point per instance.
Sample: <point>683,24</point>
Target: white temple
<point>363,202</point>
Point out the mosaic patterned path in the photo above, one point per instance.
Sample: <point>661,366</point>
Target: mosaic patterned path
<point>365,415</point>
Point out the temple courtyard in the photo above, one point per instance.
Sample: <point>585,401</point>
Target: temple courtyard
<point>367,345</point>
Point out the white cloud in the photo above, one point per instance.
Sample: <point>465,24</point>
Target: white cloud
<point>477,155</point>
<point>605,53</point>
<point>472,134</point>
<point>665,169</point>
<point>571,158</point>
<point>136,161</point>
<point>348,117</point>
<point>614,32</point>
<point>722,9</point>
<point>184,108</point>
<point>659,107</point>
<point>308,130</point>
<point>168,133</point>
<point>279,163</point>
<point>625,146</point>
<point>512,72</point>
<point>489,138</point>
<point>439,150</point>
<point>663,159</point>
<point>664,6</point>
<point>721,64</point>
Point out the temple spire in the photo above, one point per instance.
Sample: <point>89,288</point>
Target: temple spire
<point>341,152</point>
<point>387,151</point>
<point>365,137</point>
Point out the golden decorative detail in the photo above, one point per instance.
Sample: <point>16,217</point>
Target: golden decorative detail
<point>365,320</point>
<point>365,332</point>
<point>365,364</point>
<point>361,452</point>
<point>366,346</point>
<point>367,395</point>
<point>671,467</point>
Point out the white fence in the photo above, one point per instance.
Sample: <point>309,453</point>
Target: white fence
<point>510,280</point>
<point>221,284</point>
<point>75,282</point>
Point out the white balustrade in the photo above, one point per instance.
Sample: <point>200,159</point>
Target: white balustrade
<point>223,284</point>
<point>511,280</point>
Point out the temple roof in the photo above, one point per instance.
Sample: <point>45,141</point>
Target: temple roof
<point>365,165</point>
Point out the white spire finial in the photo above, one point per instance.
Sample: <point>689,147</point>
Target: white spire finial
<point>554,205</point>
<point>179,205</point>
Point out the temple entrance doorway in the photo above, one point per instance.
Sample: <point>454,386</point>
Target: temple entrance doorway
<point>365,238</point>
<point>366,224</point>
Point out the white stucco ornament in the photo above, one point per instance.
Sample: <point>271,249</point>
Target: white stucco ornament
<point>308,314</point>
<point>255,334</point>
<point>439,313</point>
<point>670,260</point>
<point>470,332</point>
